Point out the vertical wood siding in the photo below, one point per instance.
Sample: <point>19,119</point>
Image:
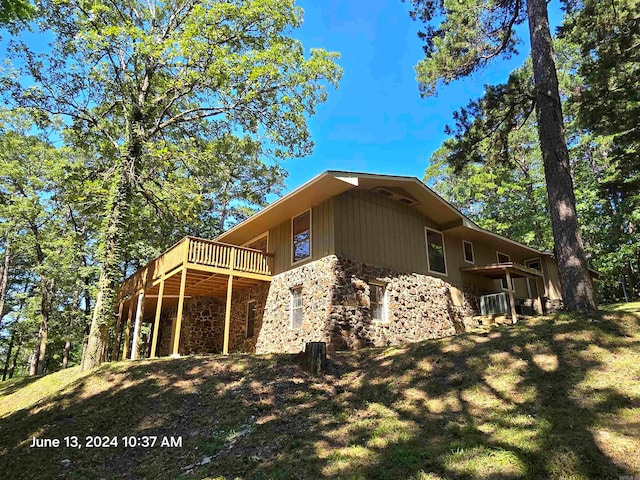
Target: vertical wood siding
<point>370,228</point>
<point>322,237</point>
<point>373,229</point>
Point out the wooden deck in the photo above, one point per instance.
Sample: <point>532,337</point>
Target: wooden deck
<point>192,267</point>
<point>207,262</point>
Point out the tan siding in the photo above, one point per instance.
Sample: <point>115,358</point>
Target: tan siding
<point>322,237</point>
<point>280,246</point>
<point>374,229</point>
<point>552,278</point>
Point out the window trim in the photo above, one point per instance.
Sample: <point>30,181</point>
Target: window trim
<point>513,287</point>
<point>444,251</point>
<point>464,254</point>
<point>249,302</point>
<point>291,290</point>
<point>265,234</point>
<point>385,304</point>
<point>310,256</point>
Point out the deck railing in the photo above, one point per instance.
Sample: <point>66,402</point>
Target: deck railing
<point>215,254</point>
<point>194,251</point>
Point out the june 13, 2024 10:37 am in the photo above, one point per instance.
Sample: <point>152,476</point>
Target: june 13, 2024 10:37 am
<point>105,441</point>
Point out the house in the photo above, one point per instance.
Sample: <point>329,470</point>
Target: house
<point>353,259</point>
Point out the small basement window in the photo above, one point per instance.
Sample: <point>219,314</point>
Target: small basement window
<point>435,251</point>
<point>467,248</point>
<point>297,305</point>
<point>377,300</point>
<point>251,317</point>
<point>301,236</point>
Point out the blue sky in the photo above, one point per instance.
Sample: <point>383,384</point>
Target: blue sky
<point>376,120</point>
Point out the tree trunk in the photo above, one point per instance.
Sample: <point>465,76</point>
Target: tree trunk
<point>41,351</point>
<point>47,299</point>
<point>7,361</point>
<point>103,312</point>
<point>65,353</point>
<point>575,281</point>
<point>15,361</point>
<point>6,260</point>
<point>87,315</point>
<point>33,365</point>
<point>315,357</point>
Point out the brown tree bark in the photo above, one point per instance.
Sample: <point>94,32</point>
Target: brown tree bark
<point>65,354</point>
<point>15,361</point>
<point>46,294</point>
<point>575,281</point>
<point>4,280</point>
<point>103,311</point>
<point>8,359</point>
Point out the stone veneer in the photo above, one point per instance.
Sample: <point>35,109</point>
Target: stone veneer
<point>317,280</point>
<point>202,329</point>
<point>419,307</point>
<point>337,308</point>
<point>336,311</point>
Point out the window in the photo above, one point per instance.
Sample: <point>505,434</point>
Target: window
<point>504,258</point>
<point>534,264</point>
<point>296,307</point>
<point>377,301</point>
<point>301,236</point>
<point>435,251</point>
<point>259,243</point>
<point>467,250</point>
<point>251,317</point>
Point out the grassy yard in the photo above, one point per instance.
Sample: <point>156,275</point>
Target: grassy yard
<point>549,398</point>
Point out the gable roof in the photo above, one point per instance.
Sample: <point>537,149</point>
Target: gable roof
<point>334,182</point>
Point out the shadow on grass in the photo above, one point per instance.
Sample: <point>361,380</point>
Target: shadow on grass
<point>530,401</point>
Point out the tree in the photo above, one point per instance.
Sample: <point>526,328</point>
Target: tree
<point>608,102</point>
<point>472,34</point>
<point>15,11</point>
<point>134,77</point>
<point>607,108</point>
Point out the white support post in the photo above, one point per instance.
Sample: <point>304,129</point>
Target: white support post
<point>512,301</point>
<point>136,329</point>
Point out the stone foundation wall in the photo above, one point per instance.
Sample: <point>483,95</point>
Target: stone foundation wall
<point>316,280</point>
<point>419,307</point>
<point>336,310</point>
<point>165,344</point>
<point>337,307</point>
<point>238,341</point>
<point>201,330</point>
<point>552,306</point>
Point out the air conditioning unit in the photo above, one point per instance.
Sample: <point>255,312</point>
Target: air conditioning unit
<point>494,304</point>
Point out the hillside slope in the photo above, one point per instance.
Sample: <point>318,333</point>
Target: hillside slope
<point>547,398</point>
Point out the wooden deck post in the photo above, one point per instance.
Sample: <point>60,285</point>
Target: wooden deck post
<point>127,331</point>
<point>227,311</point>
<point>227,316</point>
<point>512,301</point>
<point>541,312</point>
<point>116,340</point>
<point>136,328</point>
<point>176,334</point>
<point>156,324</point>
